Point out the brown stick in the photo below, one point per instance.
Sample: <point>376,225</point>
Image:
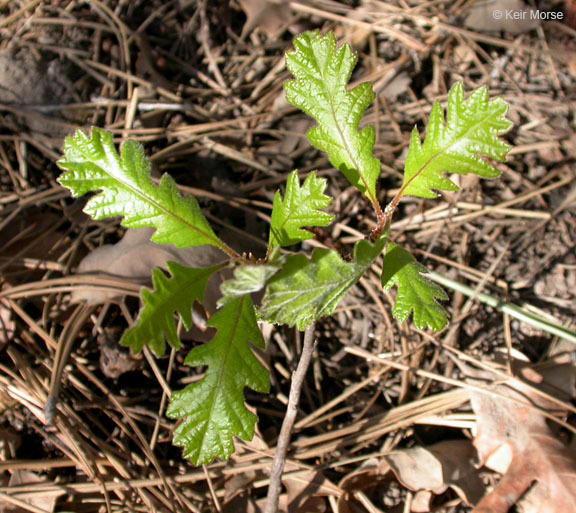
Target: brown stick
<point>275,486</point>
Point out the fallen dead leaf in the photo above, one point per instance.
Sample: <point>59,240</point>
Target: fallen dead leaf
<point>115,360</point>
<point>268,15</point>
<point>396,87</point>
<point>437,467</point>
<point>421,502</point>
<point>463,57</point>
<point>493,16</point>
<point>134,257</point>
<point>45,501</point>
<point>239,484</point>
<point>305,490</point>
<point>510,422</point>
<point>373,475</point>
<point>356,35</point>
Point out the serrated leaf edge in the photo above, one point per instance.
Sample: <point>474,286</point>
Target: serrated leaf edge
<point>339,52</point>
<point>437,292</point>
<point>279,203</point>
<point>160,280</point>
<point>455,100</point>
<point>263,388</point>
<point>167,184</point>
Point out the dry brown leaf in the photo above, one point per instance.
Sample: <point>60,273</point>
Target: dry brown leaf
<point>240,483</point>
<point>268,15</point>
<point>294,127</point>
<point>417,469</point>
<point>114,359</point>
<point>496,16</point>
<point>305,489</point>
<point>437,467</point>
<point>510,421</point>
<point>358,35</point>
<point>373,475</point>
<point>421,502</point>
<point>463,57</point>
<point>396,87</point>
<point>260,505</point>
<point>134,257</point>
<point>44,501</point>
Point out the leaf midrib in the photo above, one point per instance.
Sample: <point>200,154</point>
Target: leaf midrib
<point>158,309</point>
<point>223,361</point>
<point>442,151</point>
<point>343,140</point>
<point>337,285</point>
<point>293,211</point>
<point>144,198</point>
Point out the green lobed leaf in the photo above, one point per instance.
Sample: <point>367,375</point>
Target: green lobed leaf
<point>155,322</point>
<point>415,292</point>
<point>299,208</point>
<point>92,164</point>
<point>322,72</point>
<point>306,290</point>
<point>459,145</point>
<point>248,278</point>
<point>213,409</point>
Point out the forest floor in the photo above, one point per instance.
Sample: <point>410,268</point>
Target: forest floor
<point>389,413</point>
